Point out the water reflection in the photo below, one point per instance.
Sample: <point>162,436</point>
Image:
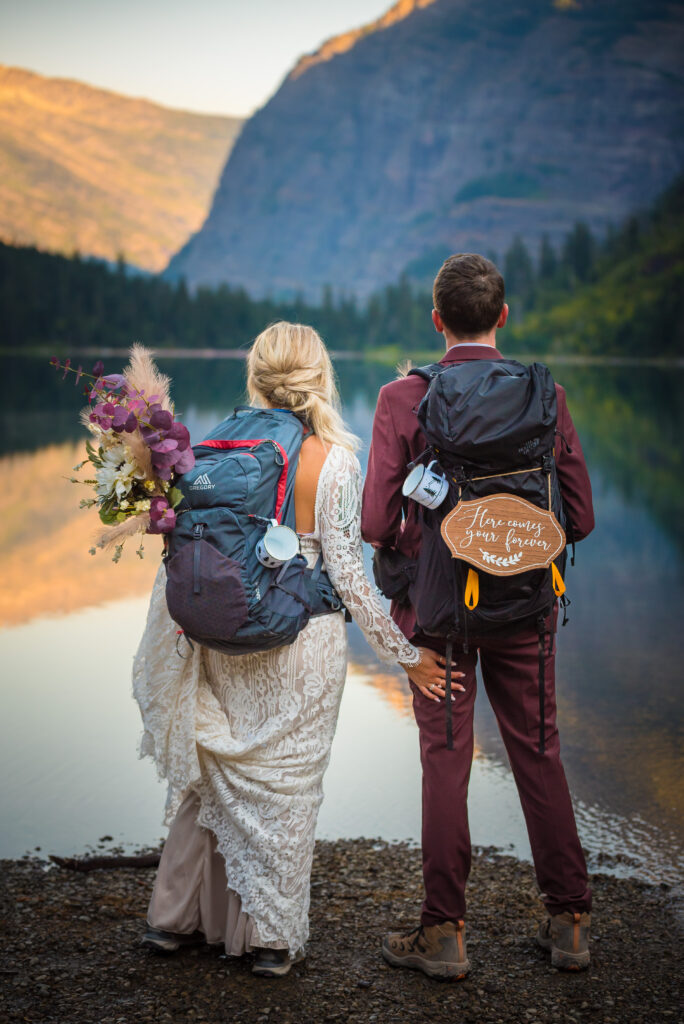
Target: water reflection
<point>618,665</point>
<point>45,538</point>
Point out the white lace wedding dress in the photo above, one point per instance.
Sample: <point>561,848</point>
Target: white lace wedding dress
<point>243,742</point>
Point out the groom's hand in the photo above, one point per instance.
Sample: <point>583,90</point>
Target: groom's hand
<point>429,674</point>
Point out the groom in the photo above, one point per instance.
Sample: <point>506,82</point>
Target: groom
<point>469,307</point>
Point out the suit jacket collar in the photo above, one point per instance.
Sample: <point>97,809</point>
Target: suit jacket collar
<point>464,353</point>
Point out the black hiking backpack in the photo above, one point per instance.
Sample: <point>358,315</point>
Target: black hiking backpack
<point>217,590</point>
<point>491,427</point>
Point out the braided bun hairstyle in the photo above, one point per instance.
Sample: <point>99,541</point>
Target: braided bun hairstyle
<point>288,367</point>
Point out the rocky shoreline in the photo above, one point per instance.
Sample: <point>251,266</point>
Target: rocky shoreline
<point>71,951</point>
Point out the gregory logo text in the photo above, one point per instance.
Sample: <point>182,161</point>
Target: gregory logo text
<point>202,483</point>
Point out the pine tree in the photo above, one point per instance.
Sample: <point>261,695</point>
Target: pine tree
<point>548,261</point>
<point>519,273</point>
<point>579,252</point>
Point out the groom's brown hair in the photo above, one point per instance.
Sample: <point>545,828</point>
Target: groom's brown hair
<point>468,294</point>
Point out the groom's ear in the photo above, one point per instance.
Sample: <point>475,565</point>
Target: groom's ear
<point>437,321</point>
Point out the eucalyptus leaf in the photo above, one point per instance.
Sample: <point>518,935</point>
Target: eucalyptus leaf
<point>175,496</point>
<point>108,513</point>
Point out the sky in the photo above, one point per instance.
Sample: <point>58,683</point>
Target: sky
<point>213,56</point>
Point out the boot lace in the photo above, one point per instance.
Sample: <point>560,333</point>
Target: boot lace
<point>415,936</point>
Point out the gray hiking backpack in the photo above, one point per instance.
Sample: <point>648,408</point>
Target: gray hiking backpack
<point>217,590</point>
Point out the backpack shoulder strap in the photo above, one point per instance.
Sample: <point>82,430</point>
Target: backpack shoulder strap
<point>428,372</point>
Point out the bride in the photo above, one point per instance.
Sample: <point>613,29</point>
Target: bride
<point>244,741</point>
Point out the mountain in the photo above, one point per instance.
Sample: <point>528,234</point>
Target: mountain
<point>86,169</point>
<point>447,126</point>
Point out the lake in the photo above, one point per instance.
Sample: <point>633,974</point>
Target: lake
<point>71,623</point>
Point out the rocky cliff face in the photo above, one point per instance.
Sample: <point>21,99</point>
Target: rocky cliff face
<point>452,127</point>
<point>83,168</point>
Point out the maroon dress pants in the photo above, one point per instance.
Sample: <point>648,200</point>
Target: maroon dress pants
<point>510,671</point>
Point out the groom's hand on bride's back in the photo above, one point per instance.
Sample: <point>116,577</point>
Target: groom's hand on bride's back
<point>429,674</point>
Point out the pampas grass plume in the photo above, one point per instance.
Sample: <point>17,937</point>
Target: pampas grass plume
<point>111,535</point>
<point>143,375</point>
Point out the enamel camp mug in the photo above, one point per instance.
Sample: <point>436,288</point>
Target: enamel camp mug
<point>425,486</point>
<point>278,545</point>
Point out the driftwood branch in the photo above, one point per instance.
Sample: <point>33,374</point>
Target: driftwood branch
<point>141,860</point>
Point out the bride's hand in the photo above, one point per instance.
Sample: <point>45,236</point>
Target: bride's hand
<point>429,674</point>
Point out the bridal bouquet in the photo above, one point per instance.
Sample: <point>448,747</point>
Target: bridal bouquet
<point>136,449</point>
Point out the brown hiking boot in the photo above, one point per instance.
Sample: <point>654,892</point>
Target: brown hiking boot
<point>567,937</point>
<point>438,950</point>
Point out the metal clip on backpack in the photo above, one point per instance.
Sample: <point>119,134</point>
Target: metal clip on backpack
<point>490,561</point>
<point>217,590</point>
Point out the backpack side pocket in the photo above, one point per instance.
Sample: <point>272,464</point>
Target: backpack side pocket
<point>205,593</point>
<point>394,573</point>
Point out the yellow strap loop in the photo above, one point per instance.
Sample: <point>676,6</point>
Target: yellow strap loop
<point>558,583</point>
<point>472,590</point>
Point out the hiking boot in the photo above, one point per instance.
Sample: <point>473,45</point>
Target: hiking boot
<point>271,963</point>
<point>169,942</point>
<point>567,937</point>
<point>438,950</point>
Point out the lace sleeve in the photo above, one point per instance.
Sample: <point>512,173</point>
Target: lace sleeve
<point>339,521</point>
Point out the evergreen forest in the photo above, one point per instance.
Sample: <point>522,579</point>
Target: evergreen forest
<point>619,295</point>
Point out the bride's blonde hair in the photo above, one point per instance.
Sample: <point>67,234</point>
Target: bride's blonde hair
<point>288,366</point>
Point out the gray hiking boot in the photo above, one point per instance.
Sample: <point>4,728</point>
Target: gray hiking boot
<point>567,937</point>
<point>438,950</point>
<point>169,942</point>
<point>273,963</point>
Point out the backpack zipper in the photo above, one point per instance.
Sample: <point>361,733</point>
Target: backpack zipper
<point>197,531</point>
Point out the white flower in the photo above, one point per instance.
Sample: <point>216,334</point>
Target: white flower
<point>143,505</point>
<point>118,472</point>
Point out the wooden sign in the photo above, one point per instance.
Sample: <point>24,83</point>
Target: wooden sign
<point>503,534</point>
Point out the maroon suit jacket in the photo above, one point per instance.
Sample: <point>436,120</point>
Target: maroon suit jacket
<point>388,518</point>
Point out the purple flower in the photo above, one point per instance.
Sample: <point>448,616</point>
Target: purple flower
<point>131,423</point>
<point>165,446</point>
<point>100,416</point>
<point>55,362</point>
<point>119,417</point>
<point>164,461</point>
<point>115,382</point>
<point>161,419</point>
<point>98,368</point>
<point>185,461</point>
<point>67,364</point>
<point>162,516</point>
<point>79,374</point>
<point>179,432</point>
<point>150,436</point>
